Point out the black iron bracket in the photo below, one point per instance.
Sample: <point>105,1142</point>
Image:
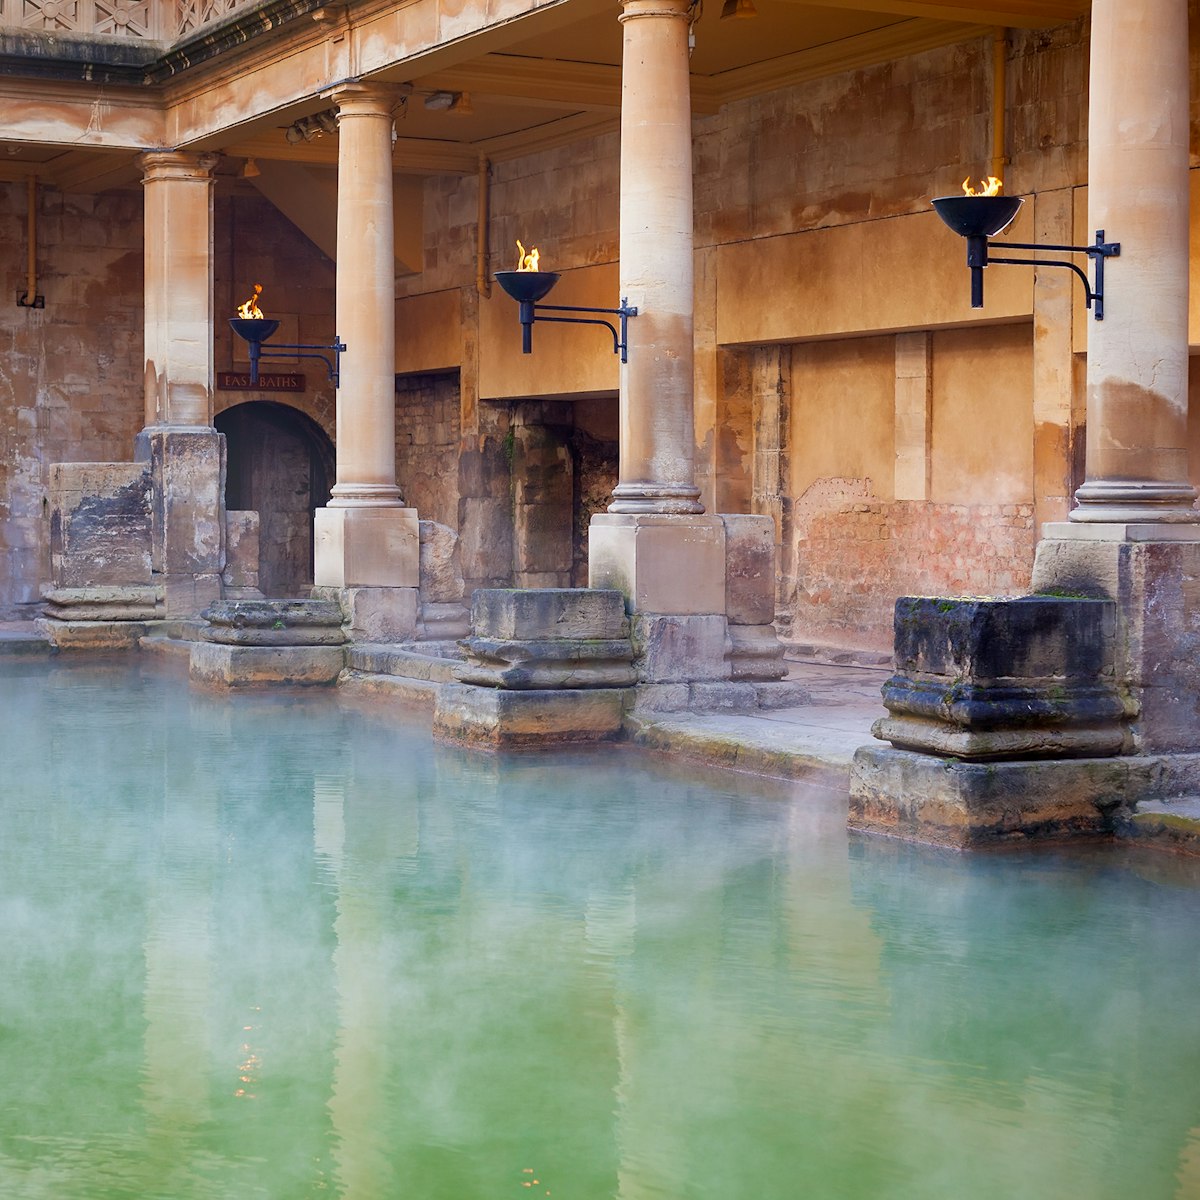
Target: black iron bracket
<point>979,255</point>
<point>303,350</point>
<point>531,312</point>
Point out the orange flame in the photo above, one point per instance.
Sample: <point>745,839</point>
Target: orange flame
<point>527,261</point>
<point>250,309</point>
<point>990,188</point>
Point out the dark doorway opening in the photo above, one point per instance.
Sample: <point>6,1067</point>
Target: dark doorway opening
<point>280,465</point>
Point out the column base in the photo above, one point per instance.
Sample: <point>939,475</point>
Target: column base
<point>670,565</point>
<point>1114,502</point>
<point>367,547</point>
<point>667,499</point>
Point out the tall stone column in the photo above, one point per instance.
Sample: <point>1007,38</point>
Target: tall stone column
<point>1133,535</point>
<point>367,542</point>
<point>653,544</point>
<point>186,454</point>
<point>1137,469</point>
<point>657,471</point>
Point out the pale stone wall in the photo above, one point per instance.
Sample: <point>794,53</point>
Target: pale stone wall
<point>71,373</point>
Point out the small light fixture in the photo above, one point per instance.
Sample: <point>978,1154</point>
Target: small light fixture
<point>978,216</point>
<point>527,285</point>
<point>440,101</point>
<point>462,105</point>
<point>255,330</point>
<point>736,10</point>
<point>250,169</point>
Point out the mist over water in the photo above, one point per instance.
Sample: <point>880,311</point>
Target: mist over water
<point>274,946</point>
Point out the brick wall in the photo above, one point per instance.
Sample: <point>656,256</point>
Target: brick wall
<point>427,445</point>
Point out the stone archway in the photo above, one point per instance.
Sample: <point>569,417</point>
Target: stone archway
<point>281,465</point>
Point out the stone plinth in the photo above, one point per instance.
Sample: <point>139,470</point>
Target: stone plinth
<point>1152,574</point>
<point>443,613</point>
<point>1004,679</point>
<point>97,618</point>
<point>948,802</point>
<point>367,547</point>
<point>753,649</point>
<point>496,719</point>
<point>661,563</point>
<point>99,524</point>
<point>548,638</point>
<point>251,643</point>
<point>239,580</point>
<point>544,666</point>
<point>375,614</point>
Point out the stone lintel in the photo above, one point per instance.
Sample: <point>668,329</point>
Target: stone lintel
<point>661,563</point>
<point>496,719</point>
<point>923,798</point>
<point>367,547</point>
<point>215,665</point>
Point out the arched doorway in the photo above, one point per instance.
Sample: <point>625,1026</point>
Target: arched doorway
<point>281,465</point>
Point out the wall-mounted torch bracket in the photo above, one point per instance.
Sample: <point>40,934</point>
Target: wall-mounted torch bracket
<point>528,287</point>
<point>979,255</point>
<point>255,332</point>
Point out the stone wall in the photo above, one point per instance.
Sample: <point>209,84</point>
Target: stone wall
<point>427,440</point>
<point>70,373</point>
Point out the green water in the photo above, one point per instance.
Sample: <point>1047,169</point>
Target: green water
<point>280,947</point>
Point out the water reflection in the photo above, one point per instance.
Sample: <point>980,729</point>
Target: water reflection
<point>270,946</point>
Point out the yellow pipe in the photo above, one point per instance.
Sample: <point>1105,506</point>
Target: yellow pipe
<point>483,285</point>
<point>31,237</point>
<point>999,91</point>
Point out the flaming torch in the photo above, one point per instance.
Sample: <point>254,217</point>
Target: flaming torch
<point>527,285</point>
<point>977,216</point>
<point>251,325</point>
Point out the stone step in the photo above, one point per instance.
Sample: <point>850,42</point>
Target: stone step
<point>1165,824</point>
<point>23,641</point>
<point>405,662</point>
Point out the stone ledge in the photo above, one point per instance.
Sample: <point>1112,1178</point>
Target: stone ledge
<point>220,665</point>
<point>496,719</point>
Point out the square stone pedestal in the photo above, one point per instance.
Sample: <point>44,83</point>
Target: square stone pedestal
<point>670,565</point>
<point>367,547</point>
<point>1152,572</point>
<point>497,719</point>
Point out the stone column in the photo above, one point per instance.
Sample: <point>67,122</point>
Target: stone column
<point>1137,468</point>
<point>657,473</point>
<point>366,540</point>
<point>186,454</point>
<point>178,190</point>
<point>652,544</point>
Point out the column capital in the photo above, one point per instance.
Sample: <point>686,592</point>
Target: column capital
<point>678,9</point>
<point>355,98</point>
<point>158,165</point>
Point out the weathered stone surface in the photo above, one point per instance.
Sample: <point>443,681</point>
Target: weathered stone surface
<point>367,548</point>
<point>91,635</point>
<point>99,524</point>
<point>679,649</point>
<point>495,719</point>
<point>749,568</point>
<point>241,554</point>
<point>218,665</point>
<point>1004,679</point>
<point>273,623</point>
<point>440,565</point>
<point>443,622</point>
<point>923,798</point>
<point>109,603</point>
<point>550,663</point>
<point>754,652</point>
<point>1163,824</point>
<point>1155,586</point>
<point>661,564</point>
<point>188,471</point>
<point>541,614</point>
<point>375,614</point>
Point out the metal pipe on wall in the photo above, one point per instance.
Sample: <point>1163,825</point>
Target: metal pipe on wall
<point>999,96</point>
<point>483,284</point>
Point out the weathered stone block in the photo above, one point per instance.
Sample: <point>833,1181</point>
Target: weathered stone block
<point>512,614</point>
<point>188,471</point>
<point>241,551</point>
<point>100,524</point>
<point>749,568</point>
<point>273,623</point>
<point>440,565</point>
<point>495,719</point>
<point>549,663</point>
<point>109,603</point>
<point>947,802</point>
<point>367,547</point>
<point>754,652</point>
<point>375,614</point>
<point>1155,586</point>
<point>1004,679</point>
<point>680,649</point>
<point>661,564</point>
<point>217,665</point>
<point>91,634</point>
